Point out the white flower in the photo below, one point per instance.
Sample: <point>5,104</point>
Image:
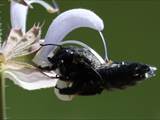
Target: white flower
<point>21,43</point>
<point>23,74</point>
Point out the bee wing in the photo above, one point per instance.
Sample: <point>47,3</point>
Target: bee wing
<point>63,25</point>
<point>29,77</point>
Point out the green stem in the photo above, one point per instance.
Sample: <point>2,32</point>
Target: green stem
<point>2,98</point>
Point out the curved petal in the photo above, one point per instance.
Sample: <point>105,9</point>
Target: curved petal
<point>64,24</point>
<point>48,7</point>
<point>29,77</point>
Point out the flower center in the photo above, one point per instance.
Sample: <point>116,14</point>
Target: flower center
<point>2,60</point>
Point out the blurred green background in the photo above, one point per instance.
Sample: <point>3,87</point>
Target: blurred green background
<point>132,28</point>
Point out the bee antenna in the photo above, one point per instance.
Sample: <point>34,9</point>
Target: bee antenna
<point>52,45</point>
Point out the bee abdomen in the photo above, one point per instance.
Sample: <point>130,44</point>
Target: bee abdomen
<point>116,77</point>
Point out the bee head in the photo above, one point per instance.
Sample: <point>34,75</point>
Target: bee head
<point>139,71</point>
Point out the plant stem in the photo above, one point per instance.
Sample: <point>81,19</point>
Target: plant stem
<point>2,98</point>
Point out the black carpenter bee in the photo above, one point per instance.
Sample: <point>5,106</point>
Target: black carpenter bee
<point>80,70</point>
<point>85,75</point>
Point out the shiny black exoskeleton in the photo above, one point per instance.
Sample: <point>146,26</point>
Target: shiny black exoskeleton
<point>89,77</point>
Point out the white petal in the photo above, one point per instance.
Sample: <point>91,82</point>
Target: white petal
<point>64,24</point>
<point>14,37</point>
<point>29,43</point>
<point>29,77</point>
<point>29,50</point>
<point>40,61</point>
<point>48,7</point>
<point>18,15</point>
<point>18,45</point>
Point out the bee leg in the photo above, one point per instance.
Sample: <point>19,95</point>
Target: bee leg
<point>83,87</point>
<point>69,90</point>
